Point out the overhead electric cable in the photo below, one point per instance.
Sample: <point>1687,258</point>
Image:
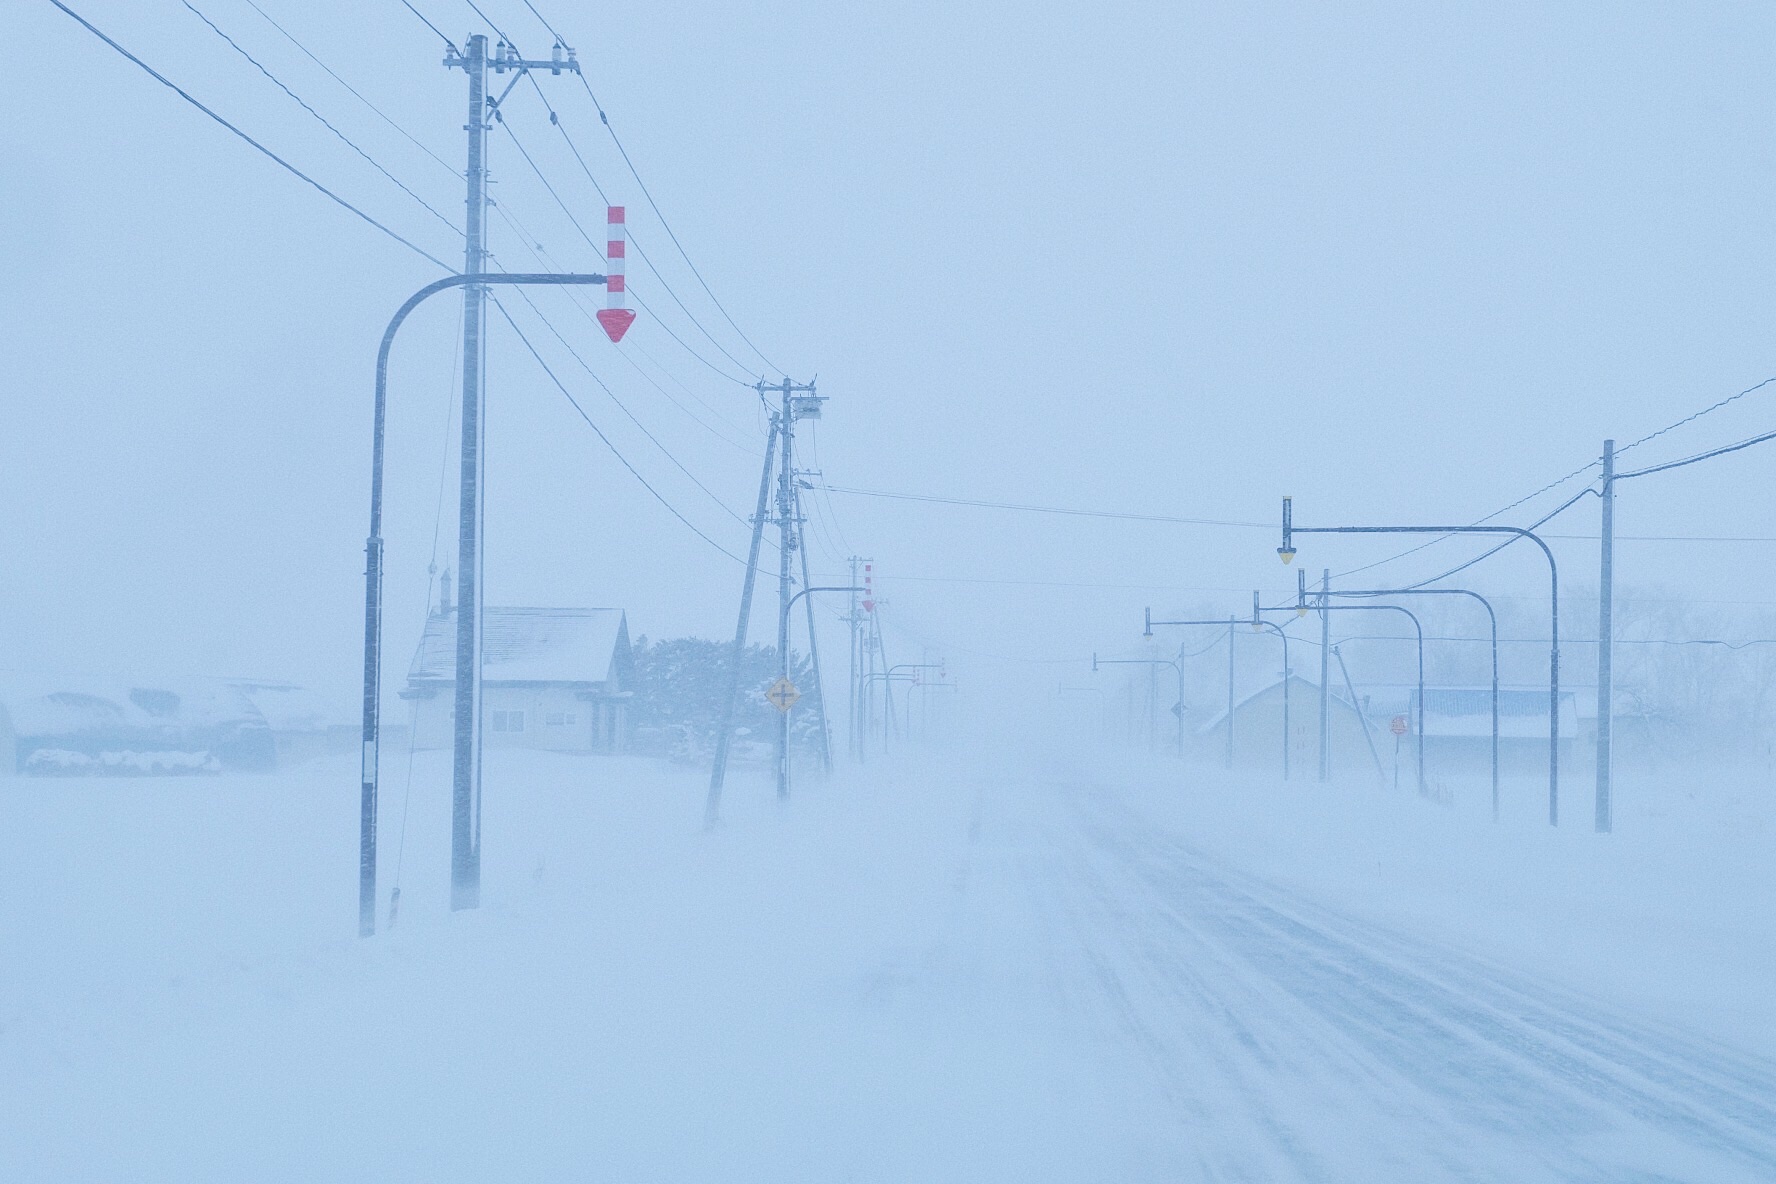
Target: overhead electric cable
<point>604,119</point>
<point>547,262</point>
<point>1064,510</point>
<point>1711,408</point>
<point>544,21</point>
<point>490,24</point>
<point>324,121</point>
<point>1516,538</point>
<point>377,111</point>
<point>1701,456</point>
<point>1413,550</point>
<point>428,24</point>
<point>633,472</point>
<point>621,406</point>
<point>672,234</point>
<point>280,161</point>
<point>597,250</point>
<point>640,248</point>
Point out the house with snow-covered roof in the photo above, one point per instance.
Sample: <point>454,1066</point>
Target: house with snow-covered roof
<point>551,678</point>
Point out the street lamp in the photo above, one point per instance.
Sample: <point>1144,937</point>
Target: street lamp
<point>1177,667</point>
<point>1287,552</point>
<point>891,676</point>
<point>1492,620</point>
<point>461,803</point>
<point>1259,624</point>
<point>783,678</point>
<point>1325,719</point>
<point>1229,622</point>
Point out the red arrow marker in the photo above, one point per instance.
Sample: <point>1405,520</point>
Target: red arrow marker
<point>616,321</point>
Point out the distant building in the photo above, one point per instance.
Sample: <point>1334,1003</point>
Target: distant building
<point>1458,728</point>
<point>1258,731</point>
<point>551,678</point>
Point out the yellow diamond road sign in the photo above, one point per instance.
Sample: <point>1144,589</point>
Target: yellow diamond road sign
<point>783,694</point>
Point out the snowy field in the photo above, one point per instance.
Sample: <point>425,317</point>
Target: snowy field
<point>1079,970</point>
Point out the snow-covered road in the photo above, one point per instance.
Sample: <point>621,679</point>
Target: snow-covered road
<point>1049,975</point>
<point>1293,1043</point>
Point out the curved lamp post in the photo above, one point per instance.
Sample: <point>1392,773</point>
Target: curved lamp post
<point>1286,553</point>
<point>1417,628</point>
<point>373,568</point>
<point>1258,624</point>
<point>1177,668</point>
<point>1229,622</point>
<point>783,673</point>
<point>1492,620</point>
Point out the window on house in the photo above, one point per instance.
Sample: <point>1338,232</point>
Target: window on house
<point>570,719</point>
<point>508,721</point>
<point>555,719</point>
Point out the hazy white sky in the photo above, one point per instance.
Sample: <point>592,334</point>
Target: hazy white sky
<point>1404,262</point>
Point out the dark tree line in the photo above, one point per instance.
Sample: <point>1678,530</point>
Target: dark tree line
<point>680,683</point>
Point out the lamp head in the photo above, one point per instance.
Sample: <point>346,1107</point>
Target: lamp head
<point>1148,631</point>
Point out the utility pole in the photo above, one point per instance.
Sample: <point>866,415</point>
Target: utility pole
<point>798,400</point>
<point>1325,675</point>
<point>818,688</point>
<point>718,771</point>
<point>465,796</point>
<point>1606,637</point>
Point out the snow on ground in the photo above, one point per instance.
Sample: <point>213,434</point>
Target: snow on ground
<point>1070,970</point>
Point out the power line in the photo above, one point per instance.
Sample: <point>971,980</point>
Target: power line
<point>428,24</point>
<point>1701,456</point>
<point>673,235</point>
<point>1032,509</point>
<point>653,205</point>
<point>1698,415</point>
<point>451,169</point>
<point>547,262</point>
<point>621,406</point>
<point>1516,538</point>
<point>280,161</point>
<point>545,23</point>
<point>640,249</point>
<point>1552,485</point>
<point>519,144</point>
<point>324,121</point>
<point>491,25</point>
<point>633,472</point>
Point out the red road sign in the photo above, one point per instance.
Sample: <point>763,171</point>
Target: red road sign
<point>1398,726</point>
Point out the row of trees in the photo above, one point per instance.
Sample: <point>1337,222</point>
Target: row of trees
<point>680,687</point>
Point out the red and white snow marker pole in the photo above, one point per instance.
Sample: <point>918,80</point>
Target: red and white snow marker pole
<point>615,318</point>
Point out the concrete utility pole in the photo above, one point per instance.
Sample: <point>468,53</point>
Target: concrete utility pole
<point>718,771</point>
<point>373,572</point>
<point>1606,638</point>
<point>818,688</point>
<point>798,400</point>
<point>465,795</point>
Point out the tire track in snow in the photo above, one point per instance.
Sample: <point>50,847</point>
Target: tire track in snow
<point>1514,1059</point>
